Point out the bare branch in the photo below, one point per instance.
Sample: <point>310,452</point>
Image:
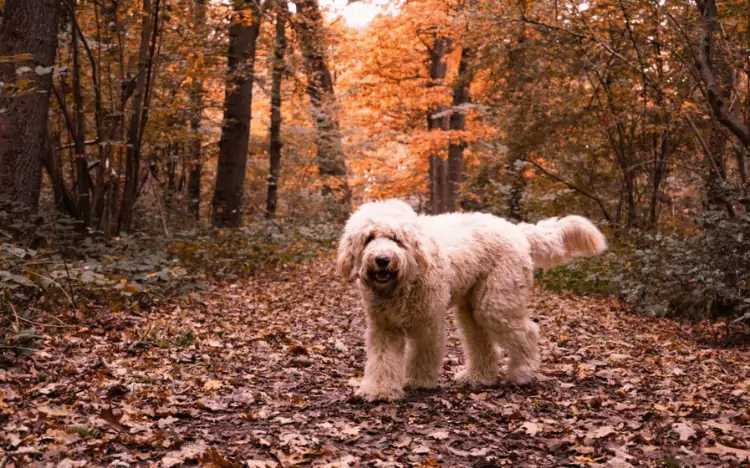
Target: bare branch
<point>713,92</point>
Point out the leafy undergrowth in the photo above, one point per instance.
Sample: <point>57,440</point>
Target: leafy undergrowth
<point>585,276</point>
<point>260,372</point>
<point>66,268</point>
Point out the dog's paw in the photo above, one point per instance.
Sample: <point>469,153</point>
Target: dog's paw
<point>474,379</point>
<point>417,382</point>
<point>374,393</point>
<point>522,375</point>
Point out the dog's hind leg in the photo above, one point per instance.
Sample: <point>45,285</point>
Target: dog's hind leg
<point>500,309</point>
<point>424,353</point>
<point>481,356</point>
<point>520,339</point>
<point>385,367</point>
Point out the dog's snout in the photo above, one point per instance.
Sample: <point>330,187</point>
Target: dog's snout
<point>382,261</point>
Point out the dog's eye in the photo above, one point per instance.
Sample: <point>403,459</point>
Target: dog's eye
<point>370,238</point>
<point>396,239</point>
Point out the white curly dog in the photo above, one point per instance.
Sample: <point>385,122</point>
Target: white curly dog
<point>410,269</point>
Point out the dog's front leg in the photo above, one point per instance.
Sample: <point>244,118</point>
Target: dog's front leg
<point>425,349</point>
<point>385,368</point>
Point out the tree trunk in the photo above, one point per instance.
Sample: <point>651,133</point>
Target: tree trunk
<point>235,131</point>
<point>113,131</point>
<point>172,154</point>
<point>662,154</point>
<point>83,178</point>
<point>715,94</point>
<point>629,186</point>
<point>718,82</point>
<point>435,122</point>
<point>29,34</point>
<point>330,154</point>
<point>516,144</point>
<point>276,76</point>
<point>138,112</point>
<point>461,97</point>
<point>196,96</point>
<point>63,200</point>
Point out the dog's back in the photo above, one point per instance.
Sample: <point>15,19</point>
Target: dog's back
<point>476,243</point>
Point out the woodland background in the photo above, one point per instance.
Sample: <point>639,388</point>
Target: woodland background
<point>149,147</point>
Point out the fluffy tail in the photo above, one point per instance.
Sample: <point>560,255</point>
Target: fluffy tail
<point>556,241</point>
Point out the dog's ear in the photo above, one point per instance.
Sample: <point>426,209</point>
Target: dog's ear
<point>419,246</point>
<point>346,261</point>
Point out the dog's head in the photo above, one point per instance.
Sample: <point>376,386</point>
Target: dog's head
<point>383,247</point>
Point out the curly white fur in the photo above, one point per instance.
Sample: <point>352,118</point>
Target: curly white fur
<point>410,269</point>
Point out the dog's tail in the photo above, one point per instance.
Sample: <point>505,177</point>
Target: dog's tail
<point>556,241</point>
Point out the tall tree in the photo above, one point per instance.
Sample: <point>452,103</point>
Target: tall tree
<point>28,43</point>
<point>235,130</point>
<point>521,102</point>
<point>139,109</point>
<point>196,96</point>
<point>461,97</point>
<point>83,177</point>
<point>437,120</point>
<point>277,73</point>
<point>717,99</point>
<point>330,152</point>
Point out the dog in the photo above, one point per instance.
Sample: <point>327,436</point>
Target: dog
<point>410,269</point>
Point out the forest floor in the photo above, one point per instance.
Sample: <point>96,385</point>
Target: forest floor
<point>262,373</point>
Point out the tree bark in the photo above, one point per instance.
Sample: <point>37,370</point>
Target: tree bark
<point>714,93</point>
<point>63,200</point>
<point>276,76</point>
<point>113,129</point>
<point>330,153</point>
<point>718,91</point>
<point>461,97</point>
<point>516,145</point>
<point>196,96</point>
<point>235,131</point>
<point>172,153</point>
<point>138,113</point>
<point>662,153</point>
<point>83,178</point>
<point>29,34</point>
<point>437,122</point>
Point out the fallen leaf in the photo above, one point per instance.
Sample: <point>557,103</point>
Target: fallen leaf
<point>53,411</point>
<point>68,463</point>
<point>186,453</point>
<point>349,430</point>
<point>721,449</point>
<point>340,347</point>
<point>601,432</point>
<point>438,435</point>
<point>168,421</point>
<point>530,428</point>
<point>402,442</point>
<point>211,385</point>
<point>212,404</point>
<point>685,430</point>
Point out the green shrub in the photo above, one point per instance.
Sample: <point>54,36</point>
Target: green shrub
<point>705,275</point>
<point>585,276</point>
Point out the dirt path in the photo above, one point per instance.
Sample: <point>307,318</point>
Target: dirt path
<point>261,373</point>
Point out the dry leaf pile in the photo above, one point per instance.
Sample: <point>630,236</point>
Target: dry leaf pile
<point>261,373</point>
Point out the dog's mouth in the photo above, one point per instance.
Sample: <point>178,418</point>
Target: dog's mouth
<point>382,276</point>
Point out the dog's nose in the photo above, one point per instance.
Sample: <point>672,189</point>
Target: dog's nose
<point>382,261</point>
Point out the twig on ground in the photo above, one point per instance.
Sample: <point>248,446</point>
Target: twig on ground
<point>67,271</point>
<point>70,299</point>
